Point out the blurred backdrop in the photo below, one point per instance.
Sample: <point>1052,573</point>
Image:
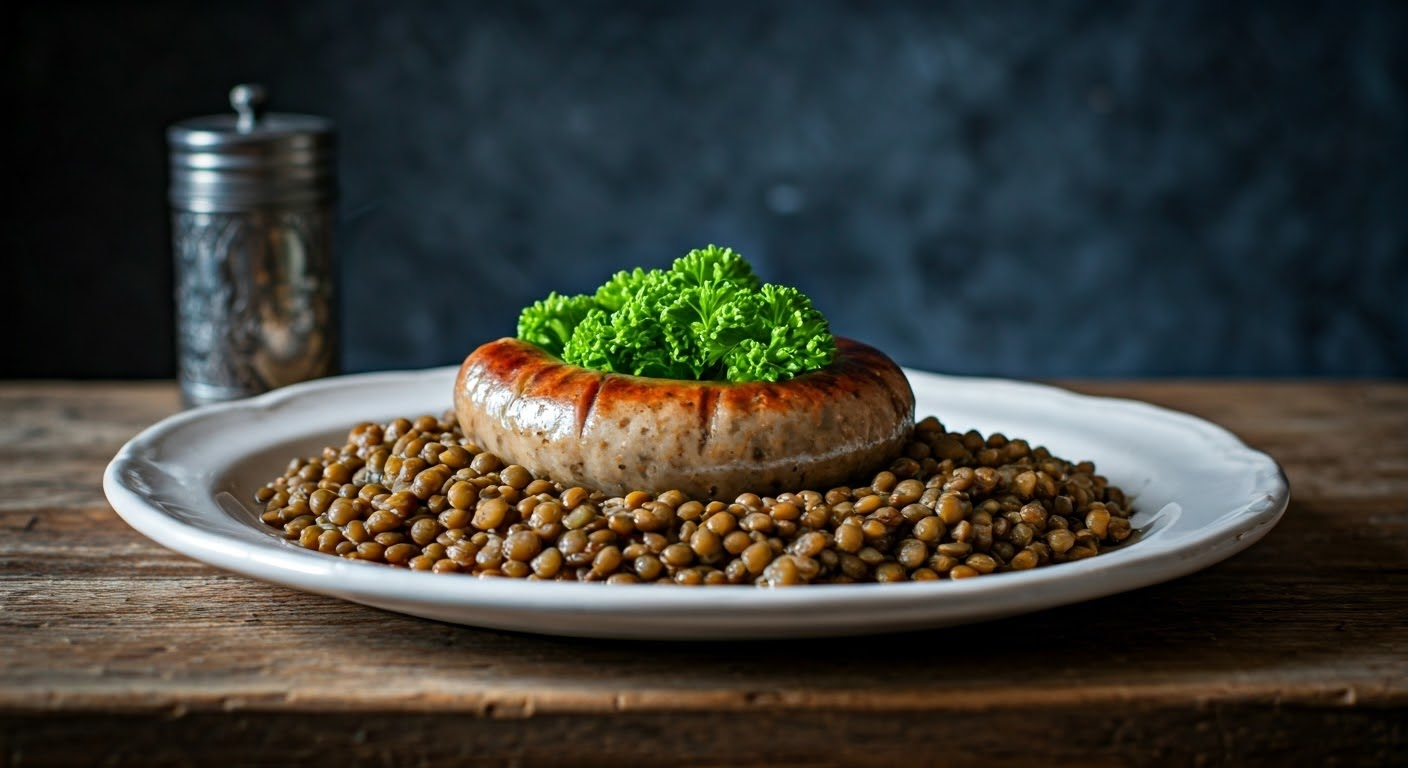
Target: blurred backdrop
<point>1025,189</point>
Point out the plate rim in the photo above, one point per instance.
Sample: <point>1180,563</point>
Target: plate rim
<point>363,582</point>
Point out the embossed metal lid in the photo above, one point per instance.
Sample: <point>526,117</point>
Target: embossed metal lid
<point>250,158</point>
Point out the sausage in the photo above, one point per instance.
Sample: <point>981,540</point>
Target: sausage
<point>711,440</point>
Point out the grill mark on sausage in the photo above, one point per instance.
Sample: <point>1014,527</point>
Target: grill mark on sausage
<point>520,380</point>
<point>537,375</point>
<point>708,402</point>
<point>868,373</point>
<point>525,379</point>
<point>896,401</point>
<point>904,407</point>
<point>587,402</point>
<point>539,371</point>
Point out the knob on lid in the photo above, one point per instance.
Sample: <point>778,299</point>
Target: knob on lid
<point>250,158</point>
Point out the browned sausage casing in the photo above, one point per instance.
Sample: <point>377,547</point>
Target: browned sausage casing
<point>620,433</point>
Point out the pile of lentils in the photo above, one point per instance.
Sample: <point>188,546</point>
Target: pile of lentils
<point>419,494</point>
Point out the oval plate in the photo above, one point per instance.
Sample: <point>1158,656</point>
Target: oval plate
<point>1201,495</point>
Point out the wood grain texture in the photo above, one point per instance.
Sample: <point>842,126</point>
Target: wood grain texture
<point>115,650</point>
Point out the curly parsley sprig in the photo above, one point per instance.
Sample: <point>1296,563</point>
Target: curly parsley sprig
<point>706,318</point>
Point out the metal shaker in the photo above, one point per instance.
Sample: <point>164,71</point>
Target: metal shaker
<point>252,232</point>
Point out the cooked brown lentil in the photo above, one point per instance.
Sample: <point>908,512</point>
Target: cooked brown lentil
<point>419,494</point>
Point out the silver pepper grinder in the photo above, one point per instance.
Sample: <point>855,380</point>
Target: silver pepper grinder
<point>252,230</point>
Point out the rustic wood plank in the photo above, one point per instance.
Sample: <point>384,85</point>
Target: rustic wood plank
<point>1293,651</point>
<point>1214,734</point>
<point>57,437</point>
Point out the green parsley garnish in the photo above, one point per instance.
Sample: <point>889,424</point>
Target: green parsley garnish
<point>705,318</point>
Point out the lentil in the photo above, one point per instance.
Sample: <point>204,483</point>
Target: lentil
<point>417,494</point>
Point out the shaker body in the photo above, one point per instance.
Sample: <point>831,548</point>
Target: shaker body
<point>256,301</point>
<point>252,238</point>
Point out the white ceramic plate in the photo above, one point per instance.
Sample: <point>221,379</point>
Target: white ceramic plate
<point>1200,495</point>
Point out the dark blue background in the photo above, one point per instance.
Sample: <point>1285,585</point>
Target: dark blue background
<point>1032,189</point>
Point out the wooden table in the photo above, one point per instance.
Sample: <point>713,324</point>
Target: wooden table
<point>116,651</point>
